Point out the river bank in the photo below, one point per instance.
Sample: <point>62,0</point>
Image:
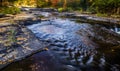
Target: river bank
<point>92,18</point>
<point>16,41</point>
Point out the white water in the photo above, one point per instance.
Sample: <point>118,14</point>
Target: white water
<point>116,29</point>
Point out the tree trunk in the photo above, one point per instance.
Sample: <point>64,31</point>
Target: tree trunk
<point>118,11</point>
<point>1,3</point>
<point>65,4</point>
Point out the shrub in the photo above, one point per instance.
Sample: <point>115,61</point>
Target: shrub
<point>101,15</point>
<point>61,9</point>
<point>9,10</point>
<point>69,9</point>
<point>65,9</point>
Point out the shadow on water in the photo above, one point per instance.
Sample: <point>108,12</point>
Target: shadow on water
<point>42,61</point>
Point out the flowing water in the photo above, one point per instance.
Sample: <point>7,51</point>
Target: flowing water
<point>71,48</point>
<point>116,29</point>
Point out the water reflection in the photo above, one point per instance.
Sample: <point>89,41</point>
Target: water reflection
<point>50,29</point>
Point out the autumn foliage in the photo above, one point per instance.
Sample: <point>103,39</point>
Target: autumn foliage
<point>54,2</point>
<point>96,6</point>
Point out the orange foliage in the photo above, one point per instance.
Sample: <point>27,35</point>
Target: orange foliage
<point>54,2</point>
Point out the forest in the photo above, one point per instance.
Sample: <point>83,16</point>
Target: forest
<point>93,6</point>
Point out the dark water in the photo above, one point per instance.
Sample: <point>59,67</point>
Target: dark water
<point>72,47</point>
<point>42,61</point>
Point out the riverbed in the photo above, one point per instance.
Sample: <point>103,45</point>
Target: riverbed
<point>72,46</point>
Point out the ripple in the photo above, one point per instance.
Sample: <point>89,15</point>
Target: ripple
<point>50,29</point>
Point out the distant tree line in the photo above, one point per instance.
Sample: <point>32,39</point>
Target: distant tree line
<point>97,6</point>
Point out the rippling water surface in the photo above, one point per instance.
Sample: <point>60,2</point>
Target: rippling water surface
<point>71,48</point>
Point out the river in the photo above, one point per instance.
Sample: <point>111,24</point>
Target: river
<point>72,47</point>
